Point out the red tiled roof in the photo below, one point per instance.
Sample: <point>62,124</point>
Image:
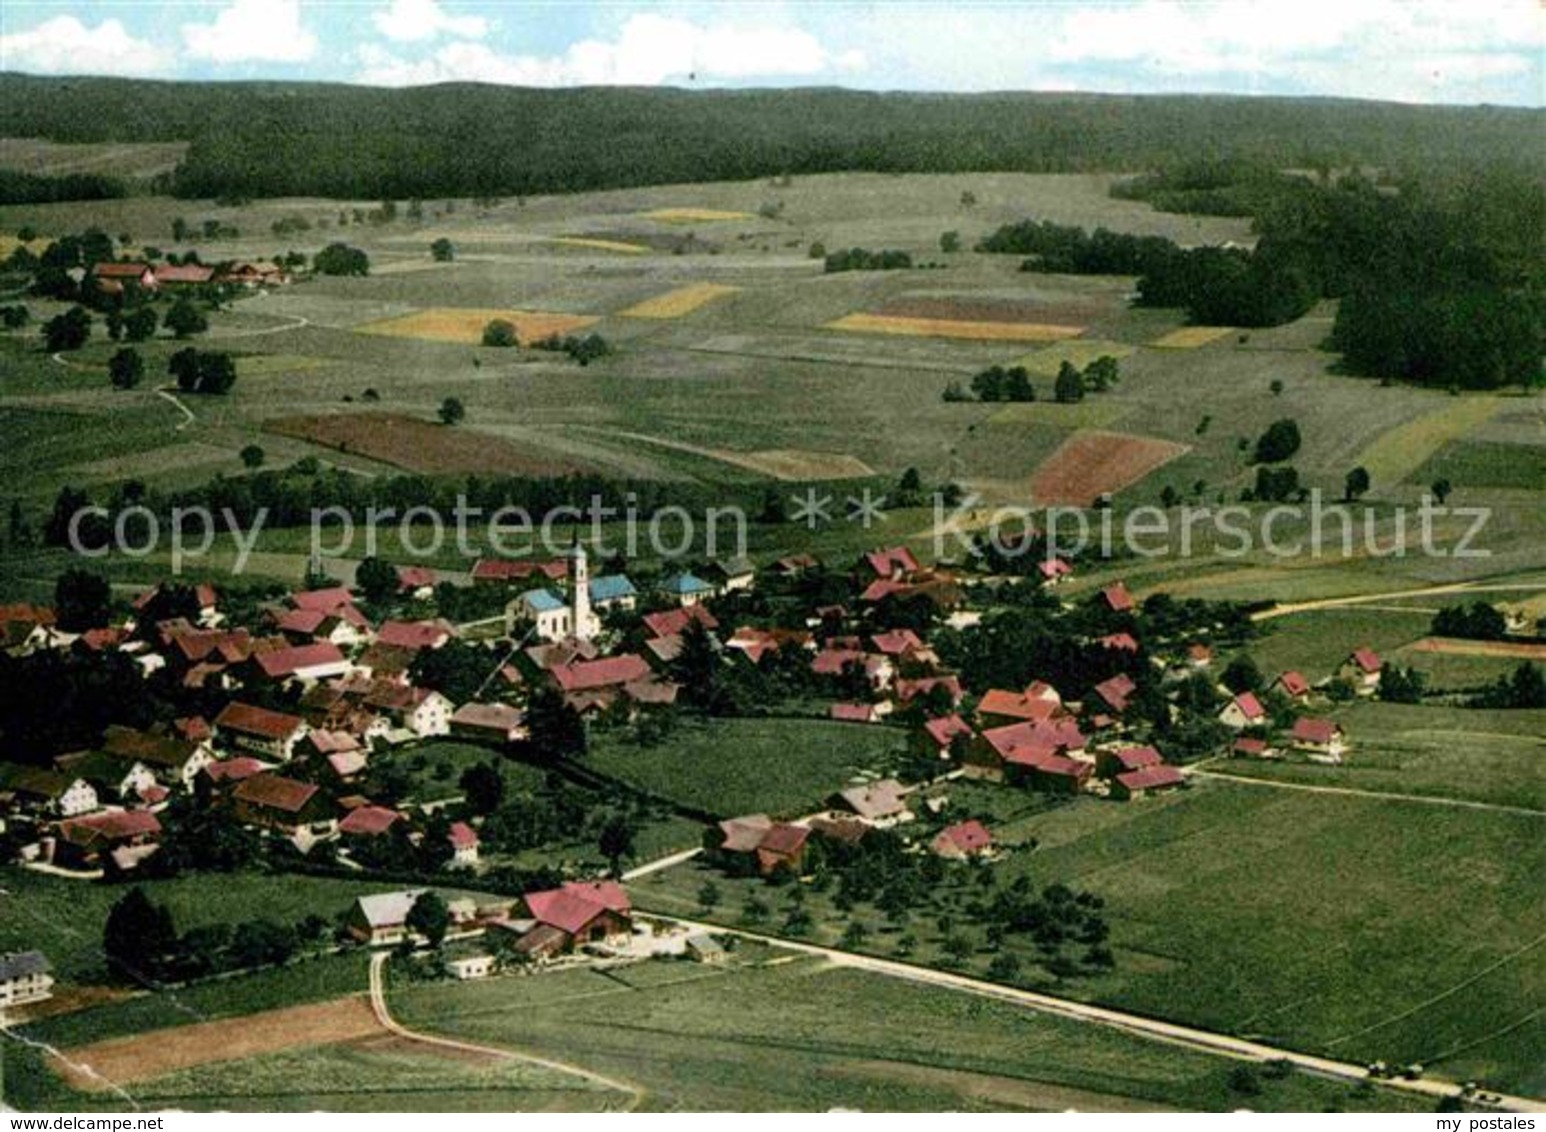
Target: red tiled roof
<point>783,839</point>
<point>416,577</point>
<point>120,270</point>
<point>286,662</point>
<point>968,836</point>
<point>1014,705</point>
<point>895,642</point>
<point>462,836</point>
<point>185,273</point>
<point>1123,642</point>
<point>1318,731</point>
<point>1054,568</point>
<point>1116,691</point>
<point>1366,659</point>
<point>327,599</point>
<point>274,792</point>
<point>234,770</point>
<point>832,662</point>
<point>494,717</point>
<point>1136,758</point>
<point>413,634</point>
<point>250,720</point>
<point>1030,743</point>
<point>300,620</point>
<point>891,560</point>
<point>116,825</point>
<point>670,622</point>
<point>1293,683</point>
<point>588,674</point>
<point>1248,746</point>
<point>507,570</point>
<point>943,730</point>
<point>1118,600</point>
<point>575,905</point>
<point>369,821</point>
<point>1250,706</point>
<point>1064,767</point>
<point>852,713</point>
<point>1151,777</point>
<point>909,690</point>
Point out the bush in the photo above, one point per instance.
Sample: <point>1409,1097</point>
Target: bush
<point>500,333</point>
<point>341,259</point>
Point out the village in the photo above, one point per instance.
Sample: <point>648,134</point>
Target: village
<point>315,698</point>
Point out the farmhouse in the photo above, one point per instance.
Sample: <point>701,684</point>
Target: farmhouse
<point>613,592</point>
<point>949,687</point>
<point>1293,685</point>
<point>999,707</point>
<point>1243,711</point>
<point>141,275</point>
<point>591,675</point>
<point>306,663</point>
<point>734,841</point>
<point>174,762</point>
<point>497,723</point>
<point>674,622</point>
<point>415,635</point>
<point>504,572</point>
<point>1251,748</point>
<point>418,582</point>
<point>853,713</point>
<point>1320,737</point>
<point>1112,763</point>
<point>1362,669</point>
<point>46,793</point>
<point>1149,780</point>
<point>279,803</point>
<point>584,912</point>
<point>117,779</point>
<point>782,847</point>
<point>421,712</point>
<point>25,976</point>
<point>880,803</point>
<point>381,920</point>
<point>732,574</point>
<point>1117,599</point>
<point>940,735</point>
<point>464,845</point>
<point>891,563</point>
<point>256,729</point>
<point>962,840</point>
<point>1117,692</point>
<point>128,836</point>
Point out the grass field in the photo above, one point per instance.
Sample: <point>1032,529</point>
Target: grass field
<point>1497,757</point>
<point>601,245</point>
<point>1079,352</point>
<point>1485,464</point>
<point>420,445</point>
<point>1317,641</point>
<point>682,301</point>
<point>1083,414</point>
<point>779,1033</point>
<point>695,215</point>
<point>1401,451</point>
<point>780,766</point>
<point>442,324</point>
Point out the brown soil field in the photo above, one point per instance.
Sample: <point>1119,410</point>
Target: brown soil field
<point>137,1058</point>
<point>988,309</point>
<point>421,446</point>
<point>1090,464</point>
<point>1521,650</point>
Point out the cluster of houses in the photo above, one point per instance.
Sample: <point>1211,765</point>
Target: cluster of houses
<point>115,278</point>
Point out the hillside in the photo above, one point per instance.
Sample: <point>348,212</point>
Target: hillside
<point>290,139</point>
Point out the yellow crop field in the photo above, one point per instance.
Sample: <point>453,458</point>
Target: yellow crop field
<point>1396,454</point>
<point>694,215</point>
<point>599,244</point>
<point>683,300</point>
<point>1078,351</point>
<point>465,324</point>
<point>9,244</point>
<point>1190,337</point>
<point>955,328</point>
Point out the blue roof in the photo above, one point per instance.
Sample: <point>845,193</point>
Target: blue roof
<point>685,584</point>
<point>610,587</point>
<point>542,601</point>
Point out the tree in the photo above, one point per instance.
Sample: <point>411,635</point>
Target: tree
<point>1070,384</point>
<point>1103,373</point>
<point>950,242</point>
<point>1279,442</point>
<point>556,728</point>
<point>253,456</point>
<point>262,943</point>
<point>183,366</point>
<point>430,918</point>
<point>377,579</point>
<point>126,369</point>
<point>341,259</point>
<point>483,787</point>
<point>15,316</point>
<point>616,841</point>
<point>442,251</point>
<point>452,411</point>
<point>139,324</point>
<point>138,936</point>
<point>708,896</point>
<point>82,600</point>
<point>184,319</point>
<point>68,331</point>
<point>1242,675</point>
<point>500,333</point>
<point>1356,483</point>
<point>1441,489</point>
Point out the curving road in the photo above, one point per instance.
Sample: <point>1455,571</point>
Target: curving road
<point>378,1005</point>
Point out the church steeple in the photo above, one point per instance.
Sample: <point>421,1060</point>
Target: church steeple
<point>586,623</point>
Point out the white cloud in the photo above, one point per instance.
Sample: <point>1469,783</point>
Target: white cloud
<point>64,45</point>
<point>408,21</point>
<point>267,31</point>
<point>649,50</point>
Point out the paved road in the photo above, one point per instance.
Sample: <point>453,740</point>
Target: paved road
<point>378,1004</point>
<point>1133,1023</point>
<point>1355,792</point>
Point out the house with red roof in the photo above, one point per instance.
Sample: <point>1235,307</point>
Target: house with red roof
<point>1323,739</point>
<point>128,836</point>
<point>304,663</point>
<point>1362,668</point>
<point>464,845</point>
<point>608,672</point>
<point>1054,571</point>
<point>496,723</point>
<point>1148,780</point>
<point>370,822</point>
<point>113,276</point>
<point>1293,685</point>
<point>583,912</point>
<point>907,690</point>
<point>419,712</point>
<point>1111,763</point>
<point>756,643</point>
<point>1117,599</point>
<point>962,840</point>
<point>878,670</point>
<point>417,581</point>
<point>880,803</point>
<point>939,735</point>
<point>892,563</point>
<point>1251,747</point>
<point>1013,751</point>
<point>782,847</point>
<point>272,734</point>
<point>852,713</point>
<point>176,275</point>
<point>1243,711</point>
<point>1059,774</point>
<point>1119,642</point>
<point>1117,692</point>
<point>999,707</point>
<point>897,642</point>
<point>415,635</point>
<point>504,571</point>
<point>674,622</point>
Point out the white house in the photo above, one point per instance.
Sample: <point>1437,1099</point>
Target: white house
<point>25,976</point>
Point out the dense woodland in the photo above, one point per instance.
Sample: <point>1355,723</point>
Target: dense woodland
<point>258,139</point>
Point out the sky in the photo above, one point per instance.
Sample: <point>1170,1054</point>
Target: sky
<point>1429,51</point>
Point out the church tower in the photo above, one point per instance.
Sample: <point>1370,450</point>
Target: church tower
<point>583,618</point>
